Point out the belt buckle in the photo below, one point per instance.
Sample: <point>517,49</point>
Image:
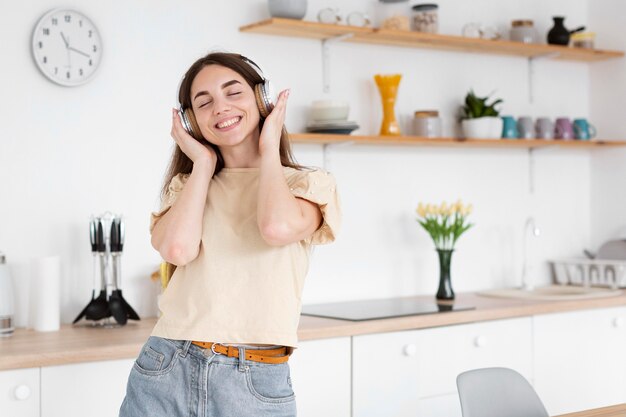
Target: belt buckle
<point>213,348</point>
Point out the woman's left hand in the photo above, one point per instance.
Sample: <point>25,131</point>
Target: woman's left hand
<point>269,140</point>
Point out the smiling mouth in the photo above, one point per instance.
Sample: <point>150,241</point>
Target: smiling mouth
<point>229,123</point>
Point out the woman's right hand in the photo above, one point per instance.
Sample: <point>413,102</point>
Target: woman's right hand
<point>194,150</point>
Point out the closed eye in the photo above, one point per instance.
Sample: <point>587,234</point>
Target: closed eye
<point>204,104</point>
<point>235,93</point>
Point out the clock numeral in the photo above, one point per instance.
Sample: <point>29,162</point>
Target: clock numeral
<point>40,44</point>
<point>95,49</point>
<point>68,75</point>
<point>46,31</point>
<point>80,23</point>
<point>90,63</point>
<point>80,72</point>
<point>45,59</point>
<point>55,21</point>
<point>90,33</point>
<point>56,70</point>
<point>68,18</point>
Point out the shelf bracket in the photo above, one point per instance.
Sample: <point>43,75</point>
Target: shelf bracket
<point>326,57</point>
<point>326,151</point>
<point>531,71</point>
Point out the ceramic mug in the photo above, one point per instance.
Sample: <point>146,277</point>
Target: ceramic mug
<point>509,128</point>
<point>544,128</point>
<point>563,129</point>
<point>583,130</point>
<point>525,127</point>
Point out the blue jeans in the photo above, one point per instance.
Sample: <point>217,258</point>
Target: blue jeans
<point>174,378</point>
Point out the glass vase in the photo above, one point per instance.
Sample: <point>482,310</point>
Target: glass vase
<point>388,88</point>
<point>445,291</point>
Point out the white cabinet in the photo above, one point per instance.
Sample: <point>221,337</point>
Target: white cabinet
<point>413,373</point>
<point>320,374</point>
<point>94,389</point>
<point>580,359</point>
<point>19,393</point>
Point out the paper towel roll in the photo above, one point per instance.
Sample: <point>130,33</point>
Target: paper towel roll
<point>45,300</point>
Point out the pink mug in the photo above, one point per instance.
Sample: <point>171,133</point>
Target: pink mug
<point>563,128</point>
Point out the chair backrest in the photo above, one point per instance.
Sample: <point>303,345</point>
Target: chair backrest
<point>498,392</point>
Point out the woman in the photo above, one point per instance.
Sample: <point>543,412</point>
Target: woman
<point>238,219</point>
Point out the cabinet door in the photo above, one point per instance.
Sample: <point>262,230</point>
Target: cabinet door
<point>19,393</point>
<point>580,359</point>
<point>320,373</point>
<point>94,389</point>
<point>413,373</point>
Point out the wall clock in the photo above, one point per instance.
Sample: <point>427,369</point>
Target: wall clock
<point>67,47</point>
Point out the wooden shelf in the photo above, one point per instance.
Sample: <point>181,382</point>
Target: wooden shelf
<point>320,138</point>
<point>321,31</point>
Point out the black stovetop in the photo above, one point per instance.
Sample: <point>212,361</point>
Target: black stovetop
<point>380,309</point>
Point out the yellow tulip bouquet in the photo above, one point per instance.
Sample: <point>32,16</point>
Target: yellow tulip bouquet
<point>445,224</point>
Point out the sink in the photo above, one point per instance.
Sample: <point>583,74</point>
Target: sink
<point>553,292</point>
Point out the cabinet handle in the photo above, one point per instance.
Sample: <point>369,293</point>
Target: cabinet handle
<point>22,392</point>
<point>410,350</point>
<point>618,322</point>
<point>480,341</point>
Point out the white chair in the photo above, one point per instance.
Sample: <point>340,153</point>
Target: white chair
<point>498,392</point>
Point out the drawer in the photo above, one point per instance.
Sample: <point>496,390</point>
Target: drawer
<point>19,392</point>
<point>445,352</point>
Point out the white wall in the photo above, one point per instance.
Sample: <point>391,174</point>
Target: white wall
<point>71,152</point>
<point>608,99</point>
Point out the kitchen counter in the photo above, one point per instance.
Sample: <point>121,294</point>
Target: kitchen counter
<point>73,344</point>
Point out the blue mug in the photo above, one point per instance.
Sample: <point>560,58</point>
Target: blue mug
<point>583,130</point>
<point>509,128</point>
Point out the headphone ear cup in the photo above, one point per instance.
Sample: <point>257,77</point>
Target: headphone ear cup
<point>263,95</point>
<point>194,129</point>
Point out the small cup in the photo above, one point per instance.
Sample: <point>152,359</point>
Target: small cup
<point>509,128</point>
<point>525,127</point>
<point>563,129</point>
<point>583,130</point>
<point>358,19</point>
<point>544,128</point>
<point>427,124</point>
<point>329,16</point>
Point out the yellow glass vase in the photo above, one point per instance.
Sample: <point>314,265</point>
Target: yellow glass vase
<point>388,88</point>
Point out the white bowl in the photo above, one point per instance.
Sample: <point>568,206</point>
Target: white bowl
<point>326,110</point>
<point>289,9</point>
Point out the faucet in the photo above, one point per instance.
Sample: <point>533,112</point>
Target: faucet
<point>527,284</point>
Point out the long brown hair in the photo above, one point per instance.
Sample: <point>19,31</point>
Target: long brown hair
<point>179,162</point>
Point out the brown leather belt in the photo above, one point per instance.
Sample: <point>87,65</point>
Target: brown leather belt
<point>275,356</point>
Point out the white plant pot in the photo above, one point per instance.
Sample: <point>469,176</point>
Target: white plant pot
<point>482,128</point>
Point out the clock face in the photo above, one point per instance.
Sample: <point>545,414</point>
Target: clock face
<point>66,47</point>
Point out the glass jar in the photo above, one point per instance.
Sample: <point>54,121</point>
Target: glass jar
<point>583,39</point>
<point>425,18</point>
<point>523,31</point>
<point>427,124</point>
<point>393,14</point>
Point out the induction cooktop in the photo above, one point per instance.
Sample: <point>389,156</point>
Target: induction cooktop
<point>380,309</point>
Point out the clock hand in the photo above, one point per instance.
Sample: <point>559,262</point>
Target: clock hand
<point>67,44</point>
<point>80,52</point>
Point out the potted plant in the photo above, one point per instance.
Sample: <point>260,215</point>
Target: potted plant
<point>445,224</point>
<point>480,119</point>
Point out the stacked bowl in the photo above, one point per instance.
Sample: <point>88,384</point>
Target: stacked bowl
<point>331,116</point>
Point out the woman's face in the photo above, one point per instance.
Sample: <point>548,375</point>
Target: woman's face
<point>224,105</point>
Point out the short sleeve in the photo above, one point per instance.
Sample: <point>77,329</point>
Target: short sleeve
<point>319,187</point>
<point>174,188</point>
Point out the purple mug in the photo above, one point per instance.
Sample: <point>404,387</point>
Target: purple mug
<point>563,128</point>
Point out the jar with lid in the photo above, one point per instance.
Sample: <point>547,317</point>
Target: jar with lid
<point>425,18</point>
<point>523,31</point>
<point>393,14</point>
<point>427,124</point>
<point>583,39</point>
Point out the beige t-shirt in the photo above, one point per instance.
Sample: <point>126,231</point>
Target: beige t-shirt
<point>240,289</point>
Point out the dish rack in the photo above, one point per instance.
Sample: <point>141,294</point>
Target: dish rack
<point>590,272</point>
